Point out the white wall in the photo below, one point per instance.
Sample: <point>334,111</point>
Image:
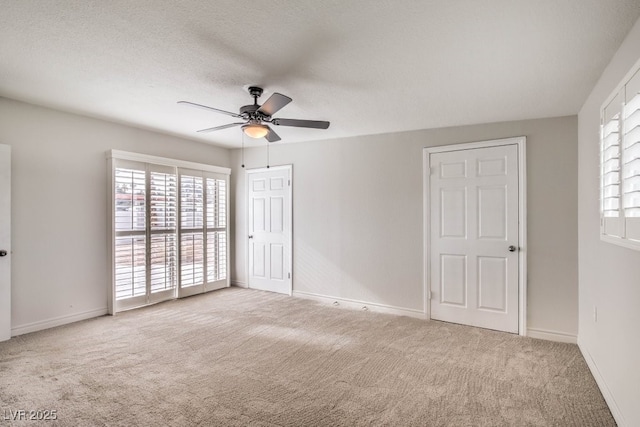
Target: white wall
<point>358,215</point>
<point>59,207</point>
<point>609,275</point>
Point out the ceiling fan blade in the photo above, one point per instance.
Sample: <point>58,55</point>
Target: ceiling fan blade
<point>230,125</point>
<point>272,136</point>
<point>273,104</point>
<point>204,107</point>
<point>315,124</point>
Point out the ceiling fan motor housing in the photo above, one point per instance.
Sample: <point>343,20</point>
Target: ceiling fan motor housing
<point>249,110</point>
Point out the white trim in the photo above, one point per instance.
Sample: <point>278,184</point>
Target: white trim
<point>111,244</point>
<point>5,235</point>
<point>520,143</point>
<point>239,284</point>
<point>604,389</point>
<point>426,235</point>
<point>545,334</point>
<point>620,241</point>
<point>522,233</point>
<point>360,305</point>
<point>145,158</point>
<point>57,321</point>
<point>289,225</point>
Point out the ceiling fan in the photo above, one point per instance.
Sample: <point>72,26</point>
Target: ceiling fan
<point>256,116</point>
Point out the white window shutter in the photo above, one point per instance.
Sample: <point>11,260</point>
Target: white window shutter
<point>631,159</point>
<point>612,224</point>
<point>620,163</point>
<point>169,227</point>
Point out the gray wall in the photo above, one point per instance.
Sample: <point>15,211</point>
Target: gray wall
<point>59,207</point>
<point>358,215</point>
<point>609,274</point>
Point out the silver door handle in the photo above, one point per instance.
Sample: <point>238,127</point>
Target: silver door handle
<point>512,248</point>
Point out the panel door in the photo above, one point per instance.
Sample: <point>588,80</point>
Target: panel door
<point>474,237</point>
<point>270,230</point>
<point>5,242</point>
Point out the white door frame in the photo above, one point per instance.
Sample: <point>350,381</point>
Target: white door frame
<point>288,225</point>
<point>520,142</point>
<point>5,242</point>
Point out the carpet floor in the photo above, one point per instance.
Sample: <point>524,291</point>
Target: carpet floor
<point>244,357</point>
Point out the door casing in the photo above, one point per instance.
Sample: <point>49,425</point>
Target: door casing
<point>520,142</point>
<point>288,225</point>
<point>5,242</point>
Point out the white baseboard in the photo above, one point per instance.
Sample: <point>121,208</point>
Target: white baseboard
<point>239,284</point>
<point>548,335</point>
<point>604,389</point>
<point>57,321</point>
<point>360,305</point>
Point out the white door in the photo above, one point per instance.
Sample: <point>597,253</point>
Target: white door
<point>5,242</point>
<point>474,247</point>
<point>269,229</point>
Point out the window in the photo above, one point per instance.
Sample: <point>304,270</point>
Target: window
<point>620,164</point>
<point>169,229</point>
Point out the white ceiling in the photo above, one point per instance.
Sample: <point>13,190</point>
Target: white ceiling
<point>368,66</point>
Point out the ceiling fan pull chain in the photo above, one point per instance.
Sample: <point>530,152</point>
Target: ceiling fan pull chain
<point>268,154</point>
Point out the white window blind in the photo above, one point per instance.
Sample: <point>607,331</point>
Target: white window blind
<point>169,228</point>
<point>611,159</point>
<point>620,164</point>
<point>203,229</point>
<point>164,222</point>
<point>216,220</point>
<point>130,226</point>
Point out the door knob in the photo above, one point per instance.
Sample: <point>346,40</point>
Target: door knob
<point>251,236</point>
<point>512,248</point>
<point>3,252</point>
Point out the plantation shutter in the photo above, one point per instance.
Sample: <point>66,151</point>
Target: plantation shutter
<point>610,167</point>
<point>163,203</point>
<point>631,159</point>
<point>203,231</point>
<point>169,229</point>
<point>130,231</point>
<point>216,190</point>
<point>145,229</point>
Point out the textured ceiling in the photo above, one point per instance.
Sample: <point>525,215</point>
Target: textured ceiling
<point>367,66</point>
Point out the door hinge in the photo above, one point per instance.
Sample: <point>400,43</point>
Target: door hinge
<point>289,275</point>
<point>428,295</point>
<point>289,182</point>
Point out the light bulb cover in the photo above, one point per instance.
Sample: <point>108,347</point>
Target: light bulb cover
<point>255,130</point>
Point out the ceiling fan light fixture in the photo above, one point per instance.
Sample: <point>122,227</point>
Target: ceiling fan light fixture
<point>255,130</point>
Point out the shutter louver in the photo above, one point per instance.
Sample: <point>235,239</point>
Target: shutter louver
<point>163,218</point>
<point>191,225</point>
<point>130,268</point>
<point>631,159</point>
<point>631,166</point>
<point>130,222</point>
<point>610,165</point>
<point>216,232</point>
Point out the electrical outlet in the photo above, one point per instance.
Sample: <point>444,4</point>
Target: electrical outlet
<point>595,313</point>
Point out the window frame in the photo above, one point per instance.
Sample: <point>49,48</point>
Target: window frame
<point>118,158</point>
<point>613,229</point>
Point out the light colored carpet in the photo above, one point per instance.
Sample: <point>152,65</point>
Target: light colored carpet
<point>242,357</point>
